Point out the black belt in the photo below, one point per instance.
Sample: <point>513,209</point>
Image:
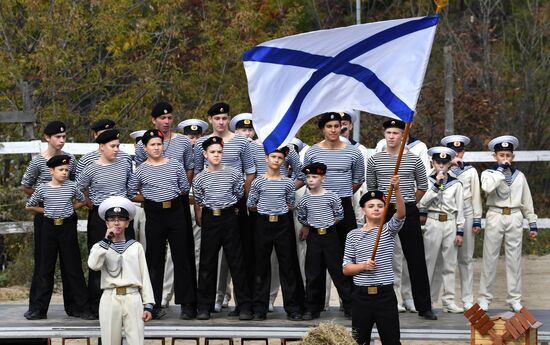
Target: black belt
<point>57,221</point>
<point>166,205</point>
<point>373,289</point>
<point>321,231</point>
<point>217,212</point>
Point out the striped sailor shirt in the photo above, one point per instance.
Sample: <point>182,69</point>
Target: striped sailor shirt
<point>58,201</point>
<point>345,167</point>
<point>236,154</point>
<point>104,181</point>
<point>218,189</point>
<point>178,148</point>
<point>320,211</point>
<point>93,156</point>
<point>271,197</point>
<point>38,172</point>
<point>412,174</point>
<point>292,161</point>
<point>159,182</point>
<point>359,246</point>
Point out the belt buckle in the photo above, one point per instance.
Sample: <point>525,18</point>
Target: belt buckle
<point>506,211</point>
<point>217,212</point>
<point>58,221</point>
<point>191,200</point>
<point>321,231</point>
<point>121,290</point>
<point>167,204</point>
<point>442,217</point>
<point>273,218</point>
<point>372,290</point>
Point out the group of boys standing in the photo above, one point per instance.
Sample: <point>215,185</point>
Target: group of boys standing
<point>223,191</point>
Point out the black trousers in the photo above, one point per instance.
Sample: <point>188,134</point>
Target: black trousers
<point>348,223</point>
<point>324,252</point>
<point>68,300</point>
<point>96,232</point>
<point>379,309</point>
<point>246,230</point>
<point>218,231</point>
<point>276,234</point>
<point>62,239</point>
<point>168,224</point>
<point>413,249</point>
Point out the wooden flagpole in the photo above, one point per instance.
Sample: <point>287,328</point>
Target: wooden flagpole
<point>440,5</point>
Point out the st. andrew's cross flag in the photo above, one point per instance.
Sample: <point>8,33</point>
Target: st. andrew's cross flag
<point>376,67</point>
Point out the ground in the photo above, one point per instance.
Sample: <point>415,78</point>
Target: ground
<point>536,280</point>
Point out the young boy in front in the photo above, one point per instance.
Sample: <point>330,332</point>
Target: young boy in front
<point>272,196</point>
<point>442,211</point>
<point>373,298</point>
<point>217,189</point>
<point>318,212</point>
<point>59,235</point>
<point>127,299</point>
<point>508,202</point>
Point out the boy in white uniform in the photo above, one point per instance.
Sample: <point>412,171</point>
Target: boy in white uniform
<point>127,299</point>
<point>508,202</point>
<point>441,208</point>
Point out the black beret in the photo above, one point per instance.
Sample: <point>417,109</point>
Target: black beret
<point>107,136</point>
<point>102,124</point>
<point>117,212</point>
<point>150,134</point>
<point>58,160</point>
<point>326,117</point>
<point>394,124</point>
<point>55,127</point>
<point>374,194</point>
<point>211,141</point>
<point>283,150</point>
<point>218,108</point>
<point>315,168</point>
<point>161,108</point>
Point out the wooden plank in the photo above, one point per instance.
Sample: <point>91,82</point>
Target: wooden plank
<point>528,315</point>
<point>37,146</point>
<point>16,116</point>
<point>511,328</point>
<point>7,228</point>
<point>471,311</point>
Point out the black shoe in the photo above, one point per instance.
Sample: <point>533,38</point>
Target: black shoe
<point>245,315</point>
<point>203,315</point>
<point>234,312</point>
<point>259,316</point>
<point>310,316</point>
<point>158,313</point>
<point>428,315</point>
<point>27,313</point>
<point>294,316</point>
<point>347,314</point>
<point>36,315</point>
<point>88,316</point>
<point>188,313</point>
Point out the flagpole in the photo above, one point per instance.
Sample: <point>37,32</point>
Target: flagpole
<point>390,189</point>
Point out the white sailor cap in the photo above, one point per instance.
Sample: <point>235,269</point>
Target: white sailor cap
<point>441,153</point>
<point>504,143</point>
<point>137,135</point>
<point>345,140</point>
<point>118,204</point>
<point>455,142</point>
<point>298,143</point>
<point>193,126</point>
<point>246,119</point>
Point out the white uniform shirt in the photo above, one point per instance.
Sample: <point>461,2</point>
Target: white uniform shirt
<point>449,200</point>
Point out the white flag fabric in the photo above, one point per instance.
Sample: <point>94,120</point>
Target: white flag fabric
<point>376,67</point>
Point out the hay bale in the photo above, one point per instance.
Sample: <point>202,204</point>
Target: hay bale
<point>328,333</point>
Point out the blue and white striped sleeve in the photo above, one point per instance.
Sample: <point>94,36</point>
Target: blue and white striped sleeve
<point>394,225</point>
<point>188,157</point>
<point>372,182</point>
<point>36,197</point>
<point>198,157</point>
<point>358,168</point>
<point>83,179</point>
<point>183,182</point>
<point>247,157</point>
<point>134,185</point>
<point>141,155</point>
<point>253,195</point>
<point>238,185</point>
<point>307,161</point>
<point>295,164</point>
<point>77,193</point>
<point>301,211</point>
<point>337,208</point>
<point>349,251</point>
<point>198,191</point>
<point>31,174</point>
<point>290,194</point>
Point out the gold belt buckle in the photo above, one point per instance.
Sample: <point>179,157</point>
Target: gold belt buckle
<point>372,290</point>
<point>273,218</point>
<point>58,221</point>
<point>167,204</point>
<point>191,200</point>
<point>442,217</point>
<point>321,231</point>
<point>506,211</point>
<point>216,212</point>
<point>121,290</point>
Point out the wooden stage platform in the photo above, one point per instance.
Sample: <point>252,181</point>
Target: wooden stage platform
<point>58,325</point>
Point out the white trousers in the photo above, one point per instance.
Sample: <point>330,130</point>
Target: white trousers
<point>439,238</point>
<point>118,311</point>
<point>402,281</point>
<point>509,228</point>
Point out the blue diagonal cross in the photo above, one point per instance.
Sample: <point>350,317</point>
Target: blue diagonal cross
<point>339,64</point>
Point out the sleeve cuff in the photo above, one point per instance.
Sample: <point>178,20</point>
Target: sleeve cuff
<point>460,231</point>
<point>148,307</point>
<point>533,227</point>
<point>423,211</point>
<point>477,222</point>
